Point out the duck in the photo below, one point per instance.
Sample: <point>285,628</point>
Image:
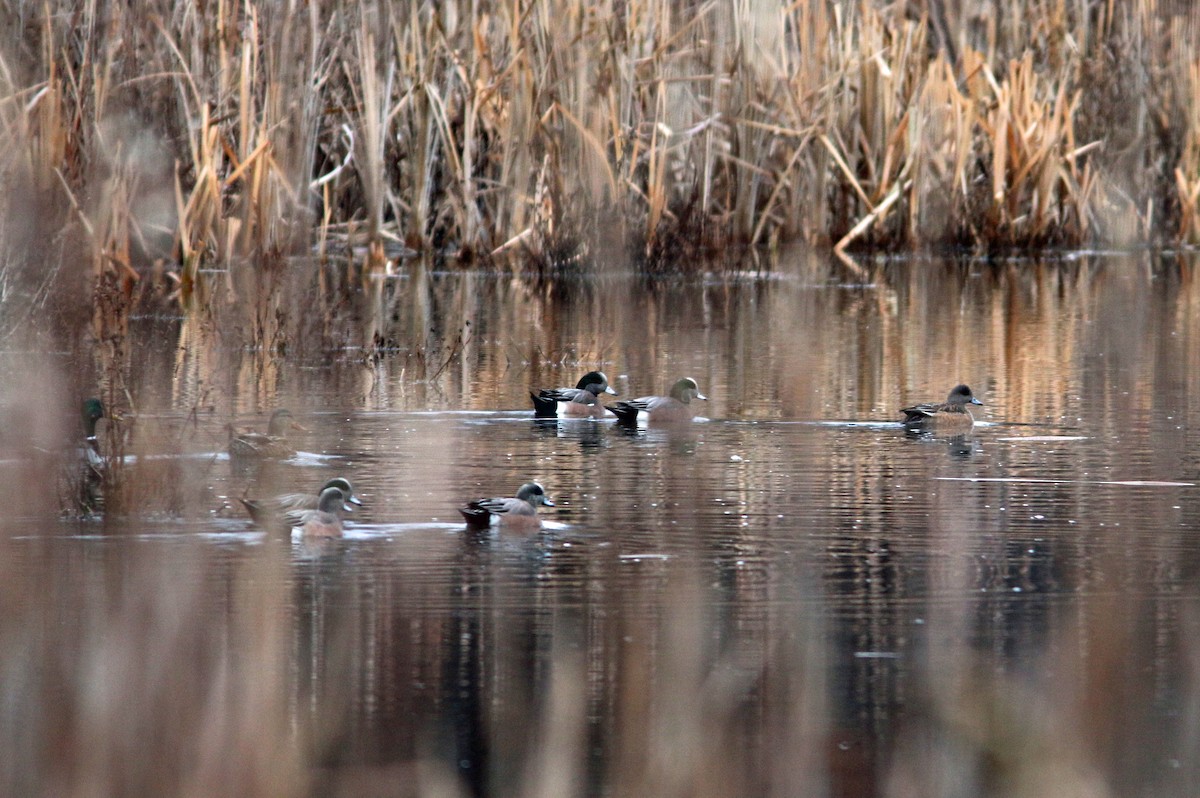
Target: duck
<point>520,510</point>
<point>952,414</point>
<point>326,520</point>
<point>287,510</point>
<point>582,401</point>
<point>272,444</point>
<point>676,407</point>
<point>92,411</point>
<point>93,466</point>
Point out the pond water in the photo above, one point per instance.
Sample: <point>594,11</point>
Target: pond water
<point>790,595</point>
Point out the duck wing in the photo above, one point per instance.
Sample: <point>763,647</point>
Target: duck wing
<point>921,412</point>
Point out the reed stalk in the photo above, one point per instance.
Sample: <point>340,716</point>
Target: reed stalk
<point>556,130</point>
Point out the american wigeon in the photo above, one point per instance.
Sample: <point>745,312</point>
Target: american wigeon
<point>92,463</point>
<point>582,401</point>
<point>272,444</point>
<point>676,407</point>
<point>952,414</point>
<point>287,510</point>
<point>326,520</point>
<point>520,510</point>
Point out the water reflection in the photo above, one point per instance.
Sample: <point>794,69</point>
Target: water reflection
<point>793,596</point>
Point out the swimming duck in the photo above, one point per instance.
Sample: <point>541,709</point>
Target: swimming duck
<point>92,412</point>
<point>272,444</point>
<point>676,407</point>
<point>582,401</point>
<point>954,413</point>
<point>326,520</point>
<point>520,510</point>
<point>93,465</point>
<point>288,509</point>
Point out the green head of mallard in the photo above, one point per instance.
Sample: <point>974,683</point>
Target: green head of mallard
<point>93,411</point>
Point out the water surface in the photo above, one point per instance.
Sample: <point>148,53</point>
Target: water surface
<point>791,595</point>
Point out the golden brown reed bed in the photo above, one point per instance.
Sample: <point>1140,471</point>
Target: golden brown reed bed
<point>183,135</point>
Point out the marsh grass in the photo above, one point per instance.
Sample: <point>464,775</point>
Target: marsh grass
<point>544,133</point>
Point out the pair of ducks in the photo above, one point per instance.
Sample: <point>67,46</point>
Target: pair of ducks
<point>583,401</point>
<point>317,516</point>
<point>321,516</point>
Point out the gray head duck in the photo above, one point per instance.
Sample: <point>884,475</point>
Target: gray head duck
<point>326,520</point>
<point>287,510</point>
<point>673,408</point>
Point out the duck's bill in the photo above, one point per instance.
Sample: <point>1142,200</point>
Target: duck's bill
<point>354,500</point>
<point>610,390</point>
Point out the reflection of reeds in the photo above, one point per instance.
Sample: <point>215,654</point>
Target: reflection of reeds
<point>724,669</point>
<point>124,685</point>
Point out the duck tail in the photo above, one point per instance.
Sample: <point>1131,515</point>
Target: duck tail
<point>476,516</point>
<point>625,412</point>
<point>544,405</point>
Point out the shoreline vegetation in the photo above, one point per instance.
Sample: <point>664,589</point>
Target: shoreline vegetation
<point>165,138</point>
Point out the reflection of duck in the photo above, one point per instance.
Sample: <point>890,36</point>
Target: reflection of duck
<point>326,520</point>
<point>518,511</point>
<point>288,510</point>
<point>590,437</point>
<point>952,414</point>
<point>92,463</point>
<point>272,444</point>
<point>676,407</point>
<point>582,401</point>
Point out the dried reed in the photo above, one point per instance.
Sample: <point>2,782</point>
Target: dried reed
<point>682,126</point>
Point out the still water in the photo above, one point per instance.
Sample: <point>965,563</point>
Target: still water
<point>788,596</point>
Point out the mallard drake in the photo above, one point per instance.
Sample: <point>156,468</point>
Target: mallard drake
<point>287,510</point>
<point>954,413</point>
<point>93,466</point>
<point>272,444</point>
<point>676,407</point>
<point>582,401</point>
<point>92,412</point>
<point>520,510</point>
